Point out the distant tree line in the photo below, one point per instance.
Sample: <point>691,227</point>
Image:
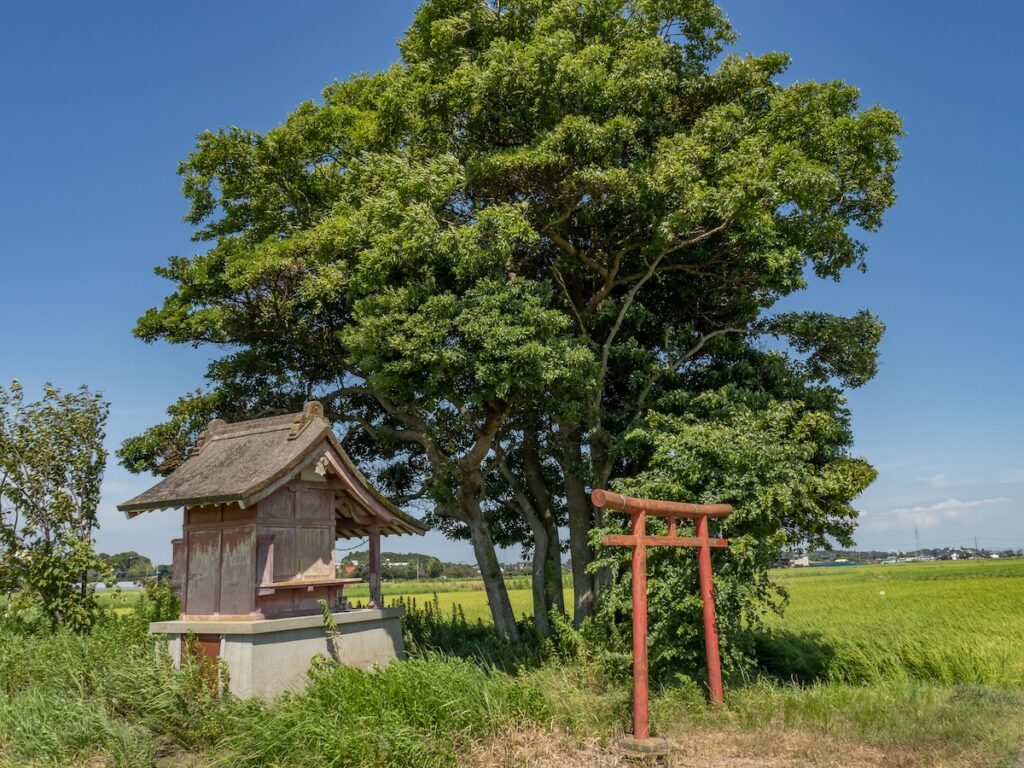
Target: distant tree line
<point>876,555</point>
<point>399,566</point>
<point>131,566</point>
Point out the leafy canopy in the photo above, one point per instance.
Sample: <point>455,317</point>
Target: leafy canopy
<point>496,259</point>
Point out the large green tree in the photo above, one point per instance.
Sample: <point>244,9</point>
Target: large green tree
<point>494,258</point>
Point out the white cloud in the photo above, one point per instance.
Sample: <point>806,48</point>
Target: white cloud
<point>1014,476</point>
<point>930,515</point>
<point>938,481</point>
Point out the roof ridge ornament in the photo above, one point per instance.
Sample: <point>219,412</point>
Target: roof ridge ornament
<point>310,411</point>
<point>207,434</point>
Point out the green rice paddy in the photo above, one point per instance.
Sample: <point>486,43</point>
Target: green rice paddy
<point>943,622</point>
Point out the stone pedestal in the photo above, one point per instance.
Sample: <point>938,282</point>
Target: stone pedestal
<point>267,657</point>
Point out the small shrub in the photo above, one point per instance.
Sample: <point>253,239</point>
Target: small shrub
<point>157,602</point>
<point>429,630</point>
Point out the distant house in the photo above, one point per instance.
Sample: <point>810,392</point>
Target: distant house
<point>804,561</point>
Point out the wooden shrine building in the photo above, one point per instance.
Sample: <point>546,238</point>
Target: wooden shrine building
<point>264,502</point>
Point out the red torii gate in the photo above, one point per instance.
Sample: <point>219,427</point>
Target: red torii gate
<point>638,539</point>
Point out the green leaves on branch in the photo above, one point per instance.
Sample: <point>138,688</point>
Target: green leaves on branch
<point>843,348</point>
<point>51,465</point>
<point>787,470</point>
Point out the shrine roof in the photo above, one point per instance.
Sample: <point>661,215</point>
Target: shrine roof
<point>246,461</point>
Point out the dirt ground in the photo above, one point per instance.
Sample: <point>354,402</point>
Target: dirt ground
<point>704,749</point>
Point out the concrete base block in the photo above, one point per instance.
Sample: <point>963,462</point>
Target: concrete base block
<point>652,751</point>
<point>267,657</point>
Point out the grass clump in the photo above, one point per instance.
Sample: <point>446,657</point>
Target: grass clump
<point>104,696</point>
<point>418,714</point>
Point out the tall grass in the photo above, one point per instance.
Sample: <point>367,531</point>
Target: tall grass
<point>418,714</point>
<point>947,623</point>
<point>931,669</point>
<point>64,697</point>
<point>110,698</point>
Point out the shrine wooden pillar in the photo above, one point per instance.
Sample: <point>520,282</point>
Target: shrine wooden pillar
<point>375,597</point>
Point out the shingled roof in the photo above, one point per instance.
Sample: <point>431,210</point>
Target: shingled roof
<point>246,461</point>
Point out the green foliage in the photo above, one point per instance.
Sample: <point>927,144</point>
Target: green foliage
<point>549,217</point>
<point>786,469</point>
<point>157,602</point>
<point>404,565</point>
<point>429,630</point>
<point>130,566</point>
<point>51,466</point>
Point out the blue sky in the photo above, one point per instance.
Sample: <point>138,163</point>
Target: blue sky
<point>101,100</point>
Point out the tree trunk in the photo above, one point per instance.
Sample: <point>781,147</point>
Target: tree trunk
<point>580,523</point>
<point>601,473</point>
<point>528,508</point>
<point>547,546</point>
<point>541,605</point>
<point>581,520</point>
<point>471,492</point>
<point>490,572</point>
<point>555,595</point>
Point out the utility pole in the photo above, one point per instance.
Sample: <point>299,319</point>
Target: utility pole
<point>976,546</point>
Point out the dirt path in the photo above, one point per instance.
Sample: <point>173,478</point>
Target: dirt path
<point>708,749</point>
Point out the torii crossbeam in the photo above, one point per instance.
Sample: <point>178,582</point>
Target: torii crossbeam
<point>638,539</point>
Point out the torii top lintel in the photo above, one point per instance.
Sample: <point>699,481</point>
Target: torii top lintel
<point>608,500</point>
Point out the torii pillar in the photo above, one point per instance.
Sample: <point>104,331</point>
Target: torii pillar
<point>638,540</point>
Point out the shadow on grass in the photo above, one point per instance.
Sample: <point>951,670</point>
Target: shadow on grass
<point>429,630</point>
<point>800,657</point>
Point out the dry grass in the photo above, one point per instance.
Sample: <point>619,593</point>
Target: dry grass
<point>704,748</point>
<point>709,748</point>
<point>537,748</point>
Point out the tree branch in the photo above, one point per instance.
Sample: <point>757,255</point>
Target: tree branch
<point>677,361</point>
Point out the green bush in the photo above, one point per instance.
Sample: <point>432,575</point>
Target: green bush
<point>158,602</point>
<point>429,630</point>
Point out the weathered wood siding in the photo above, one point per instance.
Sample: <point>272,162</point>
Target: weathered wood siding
<point>228,555</point>
<point>203,571</point>
<point>217,557</point>
<point>298,520</point>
